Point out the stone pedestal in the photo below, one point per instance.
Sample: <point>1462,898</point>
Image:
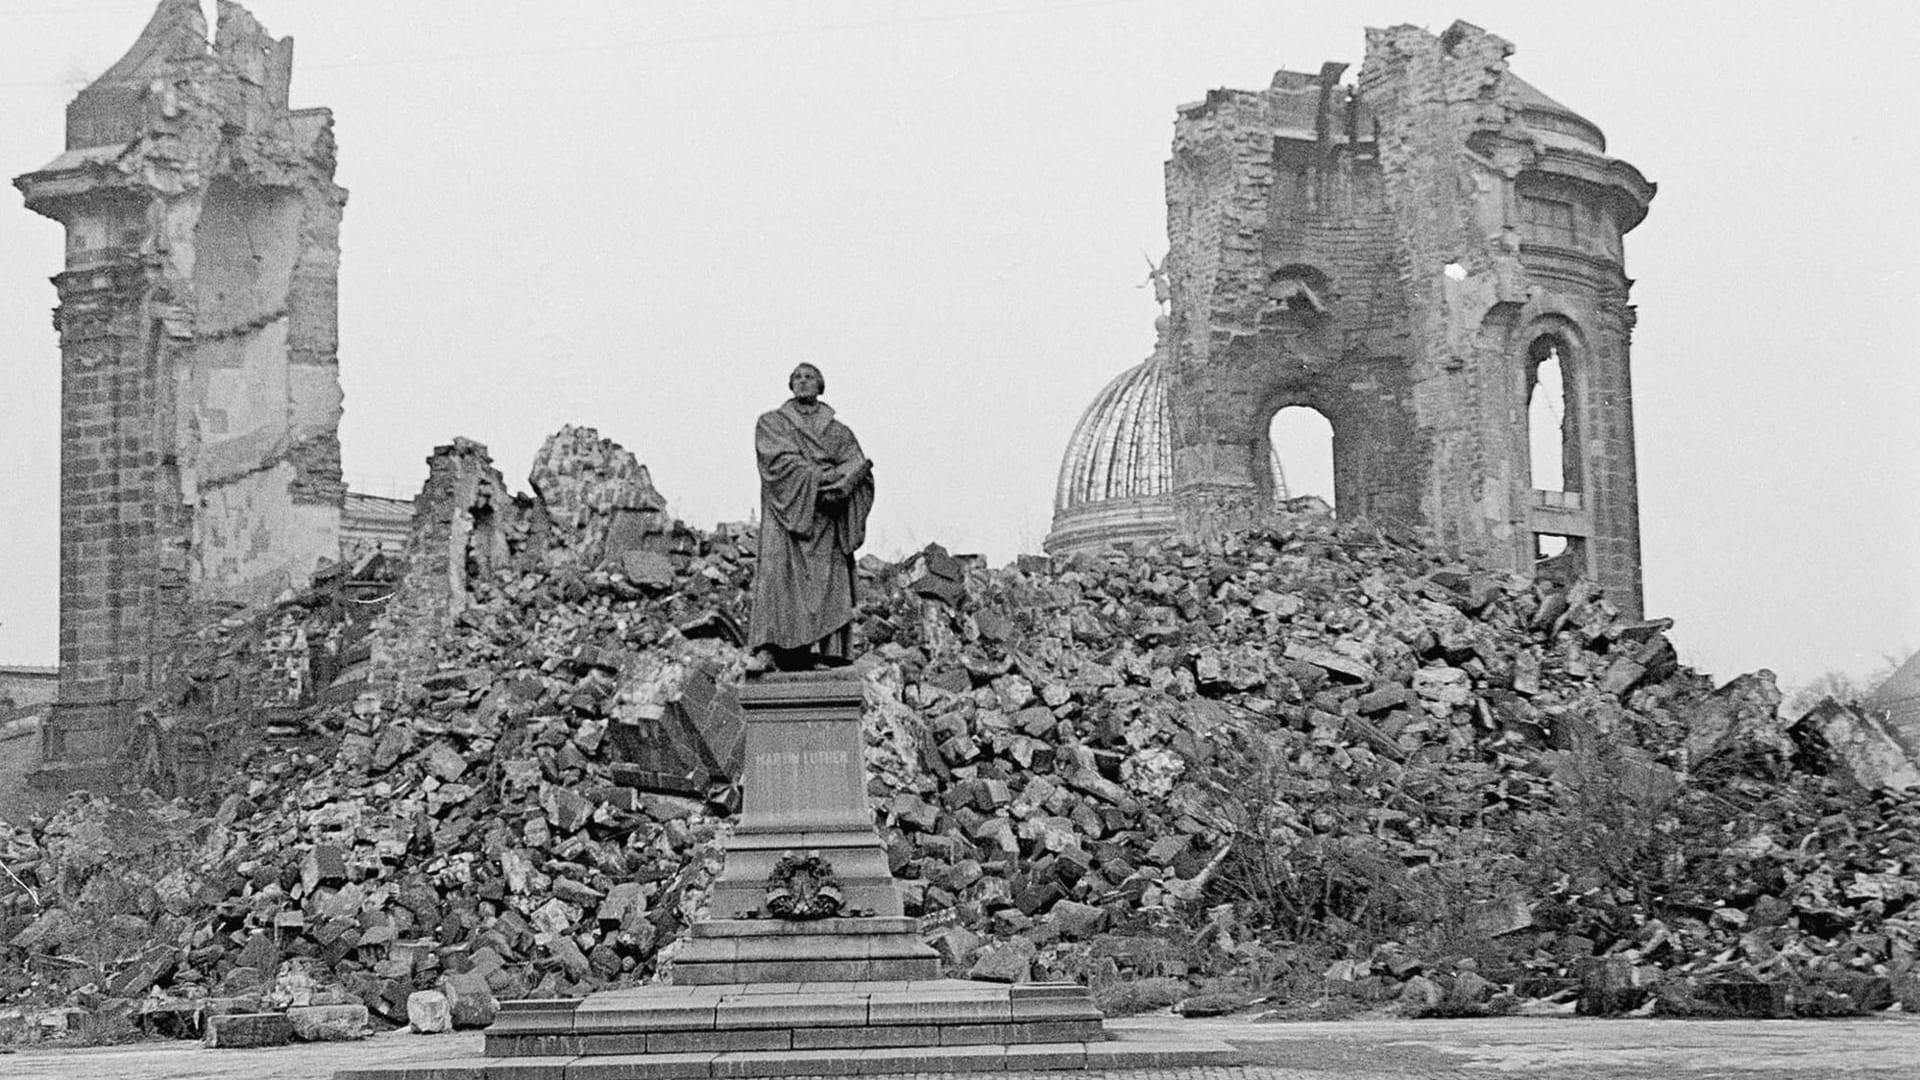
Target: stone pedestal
<point>805,793</point>
<point>754,995</point>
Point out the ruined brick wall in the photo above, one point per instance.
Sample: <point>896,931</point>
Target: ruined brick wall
<point>462,520</point>
<point>200,398</point>
<point>594,509</point>
<point>1401,254</point>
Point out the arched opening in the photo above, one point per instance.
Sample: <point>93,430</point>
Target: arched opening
<point>1559,558</point>
<point>1553,417</point>
<point>1300,441</point>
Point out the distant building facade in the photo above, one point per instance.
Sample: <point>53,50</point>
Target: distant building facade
<point>1406,255</point>
<point>23,686</point>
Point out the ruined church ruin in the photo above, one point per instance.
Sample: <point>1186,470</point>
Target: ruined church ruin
<point>1405,255</point>
<point>200,390</point>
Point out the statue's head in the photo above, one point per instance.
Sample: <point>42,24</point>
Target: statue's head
<point>806,382</point>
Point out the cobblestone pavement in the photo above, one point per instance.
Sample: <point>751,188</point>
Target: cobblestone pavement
<point>1509,1049</point>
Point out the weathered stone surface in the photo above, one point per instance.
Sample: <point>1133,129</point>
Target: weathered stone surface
<point>1275,298</point>
<point>1004,961</point>
<point>428,1012</point>
<point>240,1031</point>
<point>241,491</point>
<point>1075,920</point>
<point>1860,742</point>
<point>1419,996</point>
<point>1104,745</point>
<point>470,1000</point>
<point>602,505</point>
<point>328,1023</point>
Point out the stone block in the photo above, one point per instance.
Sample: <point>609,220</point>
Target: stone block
<point>239,1031</point>
<point>1383,700</point>
<point>789,1063</point>
<point>806,971</point>
<point>1075,920</point>
<point>470,1000</point>
<point>1068,1054</point>
<point>1061,1031</point>
<point>625,1042</point>
<point>427,1012</point>
<point>1032,991</point>
<point>542,1016</point>
<point>705,974</point>
<point>916,1059</point>
<point>622,903</point>
<point>529,1068</point>
<point>640,1067</point>
<point>1008,961</point>
<point>647,569</point>
<point>1055,1008</point>
<point>861,927</point>
<point>1751,999</point>
<point>171,1019</point>
<point>678,1042</point>
<point>1051,1031</point>
<point>519,1046</point>
<point>799,1010</point>
<point>604,1013</point>
<point>852,1038</point>
<point>979,1007</point>
<point>328,1023</point>
<point>1447,686</point>
<point>782,948</point>
<point>975,1034</point>
<point>1332,662</point>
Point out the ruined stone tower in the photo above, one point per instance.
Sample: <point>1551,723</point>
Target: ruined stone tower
<point>1404,255</point>
<point>200,394</point>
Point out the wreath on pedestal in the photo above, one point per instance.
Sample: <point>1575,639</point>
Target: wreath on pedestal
<point>803,887</point>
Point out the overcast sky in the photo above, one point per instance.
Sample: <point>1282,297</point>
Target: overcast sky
<point>640,216</point>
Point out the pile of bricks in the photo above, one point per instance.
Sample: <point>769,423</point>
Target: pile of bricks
<point>1348,751</point>
<point>1319,752</point>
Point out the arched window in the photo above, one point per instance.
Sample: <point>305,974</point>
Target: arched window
<point>1553,417</point>
<point>1301,458</point>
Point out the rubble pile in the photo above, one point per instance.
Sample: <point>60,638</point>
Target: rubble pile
<point>461,831</point>
<point>1307,756</point>
<point>1341,752</point>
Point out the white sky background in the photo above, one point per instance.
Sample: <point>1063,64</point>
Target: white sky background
<point>640,216</point>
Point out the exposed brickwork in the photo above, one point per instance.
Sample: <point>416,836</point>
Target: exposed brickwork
<point>1395,253</point>
<point>200,400</point>
<point>462,519</point>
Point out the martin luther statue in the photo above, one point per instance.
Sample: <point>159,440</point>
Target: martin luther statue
<point>816,488</point>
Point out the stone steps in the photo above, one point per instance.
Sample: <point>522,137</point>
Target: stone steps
<point>1124,1053</point>
<point>787,1016</point>
<point>802,1029</point>
<point>844,950</point>
<point>759,996</point>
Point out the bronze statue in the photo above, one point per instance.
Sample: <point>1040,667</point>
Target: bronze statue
<point>816,488</point>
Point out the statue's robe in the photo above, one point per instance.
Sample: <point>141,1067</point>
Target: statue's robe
<point>803,583</point>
